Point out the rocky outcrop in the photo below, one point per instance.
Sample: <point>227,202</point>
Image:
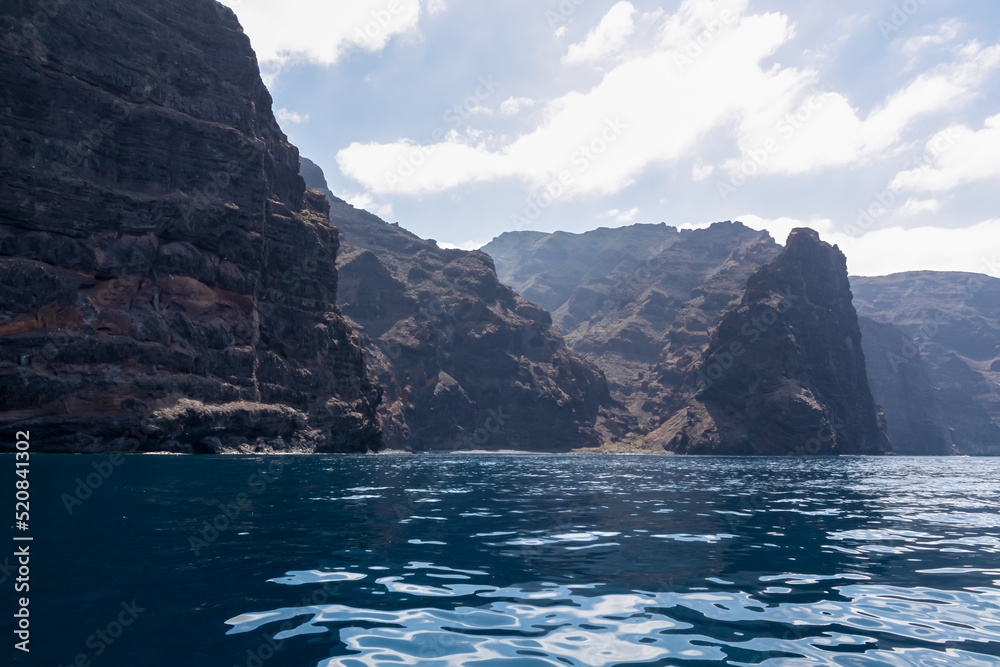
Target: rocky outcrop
<point>784,372</point>
<point>465,363</point>
<point>953,321</point>
<point>166,280</point>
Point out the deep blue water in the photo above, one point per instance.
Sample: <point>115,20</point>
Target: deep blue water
<point>514,560</point>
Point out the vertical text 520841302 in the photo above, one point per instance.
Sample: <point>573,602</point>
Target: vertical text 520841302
<point>22,540</point>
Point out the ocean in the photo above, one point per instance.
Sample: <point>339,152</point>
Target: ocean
<point>520,560</point>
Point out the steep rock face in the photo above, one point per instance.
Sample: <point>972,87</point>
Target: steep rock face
<point>953,320</point>
<point>901,385</point>
<point>638,301</point>
<point>785,372</point>
<point>464,362</point>
<point>166,280</point>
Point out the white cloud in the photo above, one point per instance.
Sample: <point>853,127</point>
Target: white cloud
<point>467,245</point>
<point>895,249</point>
<point>946,33</point>
<point>918,206</point>
<point>623,217</point>
<point>701,171</point>
<point>286,116</point>
<point>607,38</point>
<point>435,6</point>
<point>320,31</point>
<point>707,68</point>
<point>967,156</point>
<point>892,250</point>
<point>513,105</point>
<point>366,202</point>
<point>604,137</point>
<point>797,131</point>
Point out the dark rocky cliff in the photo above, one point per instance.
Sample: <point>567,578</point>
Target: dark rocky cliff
<point>166,280</point>
<point>953,320</point>
<point>784,372</point>
<point>465,363</point>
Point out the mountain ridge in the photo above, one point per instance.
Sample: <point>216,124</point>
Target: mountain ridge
<point>465,362</point>
<point>650,389</point>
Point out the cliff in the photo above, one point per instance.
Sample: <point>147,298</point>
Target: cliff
<point>953,322</point>
<point>465,362</point>
<point>901,384</point>
<point>166,280</point>
<point>784,372</point>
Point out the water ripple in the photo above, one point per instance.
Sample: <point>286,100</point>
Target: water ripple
<point>627,562</point>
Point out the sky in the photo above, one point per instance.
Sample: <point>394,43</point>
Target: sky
<point>877,123</point>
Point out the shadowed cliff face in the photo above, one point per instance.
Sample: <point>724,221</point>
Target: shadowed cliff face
<point>785,373</point>
<point>953,320</point>
<point>464,362</point>
<point>166,280</point>
<point>900,383</point>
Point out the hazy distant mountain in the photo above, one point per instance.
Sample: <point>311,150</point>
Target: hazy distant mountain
<point>464,362</point>
<point>954,320</point>
<point>638,301</point>
<point>915,422</point>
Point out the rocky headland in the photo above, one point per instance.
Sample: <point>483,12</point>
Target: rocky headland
<point>166,280</point>
<point>784,372</point>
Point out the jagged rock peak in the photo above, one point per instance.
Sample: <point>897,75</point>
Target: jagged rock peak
<point>785,372</point>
